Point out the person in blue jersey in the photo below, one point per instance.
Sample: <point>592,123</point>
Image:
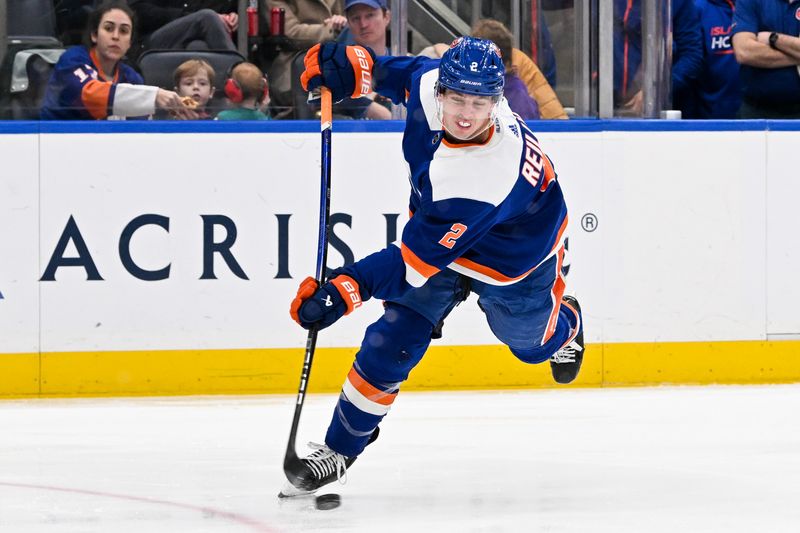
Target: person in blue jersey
<point>487,216</point>
<point>718,92</point>
<point>90,82</point>
<point>687,53</point>
<point>767,46</point>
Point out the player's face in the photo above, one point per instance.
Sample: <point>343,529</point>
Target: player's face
<point>113,37</point>
<point>465,116</point>
<point>198,86</point>
<point>368,24</point>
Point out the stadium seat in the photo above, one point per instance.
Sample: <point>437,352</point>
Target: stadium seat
<point>31,18</point>
<point>30,74</point>
<point>157,68</point>
<point>31,26</point>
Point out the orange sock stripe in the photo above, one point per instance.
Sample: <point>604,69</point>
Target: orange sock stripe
<point>370,392</point>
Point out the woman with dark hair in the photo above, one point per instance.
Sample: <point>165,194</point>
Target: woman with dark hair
<point>91,82</point>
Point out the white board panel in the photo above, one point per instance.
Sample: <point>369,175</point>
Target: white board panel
<point>251,179</point>
<point>19,253</point>
<point>679,251</point>
<point>578,159</point>
<point>783,234</point>
<point>684,256</point>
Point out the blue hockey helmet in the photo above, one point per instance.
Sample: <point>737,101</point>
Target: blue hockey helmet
<point>472,66</point>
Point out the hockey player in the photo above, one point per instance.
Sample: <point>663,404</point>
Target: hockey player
<point>488,216</point>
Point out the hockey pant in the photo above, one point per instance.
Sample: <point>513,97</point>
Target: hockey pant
<point>527,316</point>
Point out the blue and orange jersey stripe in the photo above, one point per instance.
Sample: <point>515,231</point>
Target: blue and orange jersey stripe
<point>488,272</point>
<point>549,173</point>
<point>411,259</point>
<point>556,293</point>
<point>96,95</point>
<point>560,235</point>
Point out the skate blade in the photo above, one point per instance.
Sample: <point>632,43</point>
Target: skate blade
<point>290,491</point>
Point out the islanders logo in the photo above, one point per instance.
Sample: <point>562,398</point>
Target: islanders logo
<point>797,14</point>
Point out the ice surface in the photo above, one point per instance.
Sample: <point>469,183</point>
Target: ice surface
<point>568,460</point>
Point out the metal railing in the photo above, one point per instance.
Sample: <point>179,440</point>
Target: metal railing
<point>3,30</point>
<point>656,57</point>
<point>431,18</point>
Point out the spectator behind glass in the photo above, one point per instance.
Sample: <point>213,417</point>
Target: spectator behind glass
<point>194,79</point>
<point>367,25</point>
<point>687,53</point>
<point>718,92</point>
<point>514,89</point>
<point>368,21</point>
<point>307,23</point>
<point>186,24</point>
<point>768,49</point>
<point>90,82</point>
<point>538,87</point>
<point>248,91</point>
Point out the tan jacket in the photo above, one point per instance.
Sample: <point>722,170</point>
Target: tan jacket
<point>538,88</point>
<point>304,24</point>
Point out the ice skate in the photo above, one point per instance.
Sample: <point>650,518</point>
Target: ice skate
<point>566,363</point>
<point>321,467</point>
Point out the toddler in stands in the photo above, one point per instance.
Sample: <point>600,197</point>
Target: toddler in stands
<point>248,91</point>
<point>194,82</point>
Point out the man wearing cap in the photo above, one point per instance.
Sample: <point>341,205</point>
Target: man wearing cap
<point>367,22</point>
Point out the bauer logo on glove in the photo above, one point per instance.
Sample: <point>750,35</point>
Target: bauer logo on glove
<point>324,305</point>
<point>345,70</point>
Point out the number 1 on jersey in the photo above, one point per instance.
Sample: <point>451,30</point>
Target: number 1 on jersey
<point>456,231</point>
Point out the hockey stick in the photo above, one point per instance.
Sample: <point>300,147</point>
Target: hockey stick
<point>292,465</point>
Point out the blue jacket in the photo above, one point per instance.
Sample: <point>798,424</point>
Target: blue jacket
<point>687,50</point>
<point>718,92</point>
<point>769,86</point>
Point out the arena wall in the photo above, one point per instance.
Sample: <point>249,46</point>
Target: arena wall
<point>160,258</point>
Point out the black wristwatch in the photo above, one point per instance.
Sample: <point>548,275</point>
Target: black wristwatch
<point>773,40</point>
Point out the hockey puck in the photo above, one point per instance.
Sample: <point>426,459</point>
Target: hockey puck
<point>326,502</point>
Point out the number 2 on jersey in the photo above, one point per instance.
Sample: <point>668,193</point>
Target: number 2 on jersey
<point>456,231</point>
